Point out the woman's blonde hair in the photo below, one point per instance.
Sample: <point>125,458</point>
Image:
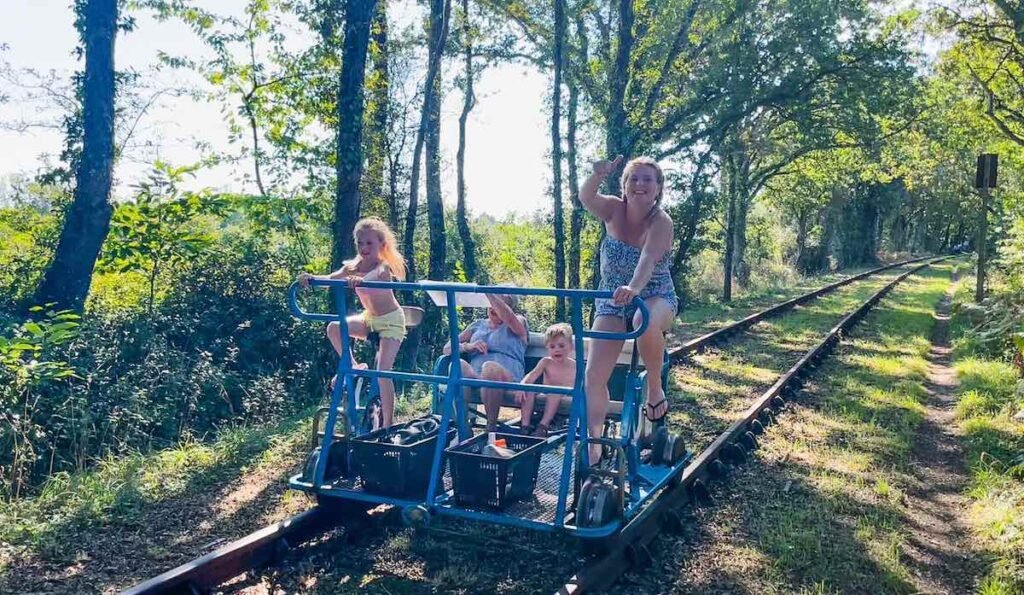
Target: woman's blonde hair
<point>388,246</point>
<point>631,165</point>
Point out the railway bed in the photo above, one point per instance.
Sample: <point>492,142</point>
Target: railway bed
<point>728,449</point>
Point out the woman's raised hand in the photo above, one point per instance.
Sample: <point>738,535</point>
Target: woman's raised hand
<point>605,167</point>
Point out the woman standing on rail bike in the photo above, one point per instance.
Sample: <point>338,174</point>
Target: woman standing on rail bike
<point>634,262</point>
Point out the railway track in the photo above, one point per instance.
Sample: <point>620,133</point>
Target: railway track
<point>730,448</point>
<point>266,546</point>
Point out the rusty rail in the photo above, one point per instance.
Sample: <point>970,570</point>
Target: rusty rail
<point>707,339</point>
<point>257,549</point>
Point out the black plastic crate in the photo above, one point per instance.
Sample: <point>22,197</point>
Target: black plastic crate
<point>494,482</point>
<point>395,469</point>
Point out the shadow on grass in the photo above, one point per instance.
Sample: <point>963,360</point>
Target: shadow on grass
<point>810,525</point>
<point>142,534</point>
<point>772,527</point>
<point>462,559</point>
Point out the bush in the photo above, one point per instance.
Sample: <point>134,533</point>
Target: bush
<point>220,349</point>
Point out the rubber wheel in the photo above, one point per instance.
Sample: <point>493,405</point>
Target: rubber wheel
<point>677,449</point>
<point>309,467</point>
<point>600,505</point>
<point>658,447</point>
<point>586,507</point>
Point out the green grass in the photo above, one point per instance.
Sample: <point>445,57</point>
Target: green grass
<point>832,513</point>
<point>120,491</point>
<point>698,317</point>
<point>987,398</point>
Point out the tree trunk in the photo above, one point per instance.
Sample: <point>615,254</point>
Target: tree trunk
<point>440,10</point>
<point>741,203</point>
<point>689,232</point>
<point>556,155</point>
<point>802,221</point>
<point>67,279</point>
<point>729,171</point>
<point>350,127</point>
<point>944,244</point>
<point>576,221</point>
<point>859,231</point>
<point>378,112</point>
<point>616,132</point>
<point>437,263</point>
<point>462,220</point>
<point>437,36</point>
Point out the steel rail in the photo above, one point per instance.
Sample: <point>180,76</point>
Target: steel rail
<point>729,448</point>
<point>257,549</point>
<point>699,343</point>
<point>266,545</point>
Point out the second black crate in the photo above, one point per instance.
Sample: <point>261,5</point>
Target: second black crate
<point>493,482</point>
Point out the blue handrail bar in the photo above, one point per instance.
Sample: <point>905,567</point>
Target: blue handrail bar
<point>298,312</point>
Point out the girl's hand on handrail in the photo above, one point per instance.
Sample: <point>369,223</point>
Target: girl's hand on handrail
<point>354,281</point>
<point>305,278</point>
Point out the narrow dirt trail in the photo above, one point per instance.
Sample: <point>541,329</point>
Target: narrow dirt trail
<point>939,545</point>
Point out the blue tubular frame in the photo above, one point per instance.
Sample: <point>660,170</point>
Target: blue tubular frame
<point>453,403</point>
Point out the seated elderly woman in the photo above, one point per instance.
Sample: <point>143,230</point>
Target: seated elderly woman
<point>496,348</point>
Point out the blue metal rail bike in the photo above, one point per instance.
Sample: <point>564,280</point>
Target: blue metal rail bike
<point>570,495</point>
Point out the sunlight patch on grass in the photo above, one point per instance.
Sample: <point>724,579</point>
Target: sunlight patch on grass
<point>987,398</point>
<point>843,529</point>
<point>995,379</point>
<point>893,367</point>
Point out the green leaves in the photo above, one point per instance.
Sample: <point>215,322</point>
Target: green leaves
<point>162,227</point>
<point>25,354</point>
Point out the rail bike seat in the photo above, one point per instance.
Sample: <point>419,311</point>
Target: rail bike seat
<point>535,351</point>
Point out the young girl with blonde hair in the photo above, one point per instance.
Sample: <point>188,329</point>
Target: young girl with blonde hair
<point>377,259</point>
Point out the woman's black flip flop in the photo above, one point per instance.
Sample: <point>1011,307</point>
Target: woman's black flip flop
<point>654,407</point>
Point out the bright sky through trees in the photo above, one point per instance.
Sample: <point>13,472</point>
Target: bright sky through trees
<point>507,165</point>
